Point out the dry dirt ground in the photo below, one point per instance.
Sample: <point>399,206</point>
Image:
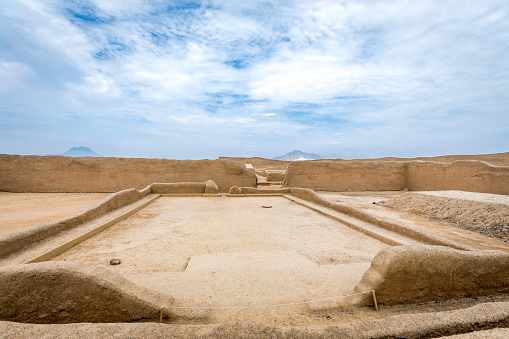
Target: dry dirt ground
<point>233,252</point>
<point>487,214</point>
<point>467,208</point>
<point>22,210</point>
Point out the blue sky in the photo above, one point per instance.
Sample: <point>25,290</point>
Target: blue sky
<point>202,79</point>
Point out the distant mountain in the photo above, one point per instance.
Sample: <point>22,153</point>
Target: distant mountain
<point>81,151</point>
<point>298,155</point>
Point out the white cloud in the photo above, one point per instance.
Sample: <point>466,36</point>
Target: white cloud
<point>353,74</point>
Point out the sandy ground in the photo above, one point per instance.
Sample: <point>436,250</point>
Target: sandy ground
<point>471,196</point>
<point>22,210</point>
<point>233,252</point>
<point>376,204</point>
<point>487,214</point>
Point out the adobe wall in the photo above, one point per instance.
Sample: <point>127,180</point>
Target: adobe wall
<point>12,242</point>
<point>413,274</point>
<point>276,177</point>
<point>63,292</point>
<point>257,161</point>
<point>497,159</point>
<point>347,176</point>
<point>397,227</point>
<point>29,173</point>
<point>463,175</point>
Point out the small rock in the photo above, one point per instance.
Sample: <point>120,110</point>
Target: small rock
<point>267,206</point>
<point>115,262</point>
<point>328,316</point>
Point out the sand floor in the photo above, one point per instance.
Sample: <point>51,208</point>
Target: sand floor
<point>233,252</point>
<point>366,200</point>
<point>22,210</point>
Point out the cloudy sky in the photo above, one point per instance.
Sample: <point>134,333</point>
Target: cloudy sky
<point>202,79</point>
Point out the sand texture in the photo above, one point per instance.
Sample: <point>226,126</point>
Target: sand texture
<point>233,252</point>
<point>479,320</point>
<point>464,210</point>
<point>22,210</point>
<point>373,203</point>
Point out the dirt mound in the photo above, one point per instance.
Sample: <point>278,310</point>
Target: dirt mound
<point>490,219</point>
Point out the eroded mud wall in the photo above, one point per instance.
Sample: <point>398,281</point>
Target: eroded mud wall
<point>347,176</point>
<point>413,274</point>
<point>65,292</point>
<point>28,173</point>
<point>465,175</point>
<point>340,176</point>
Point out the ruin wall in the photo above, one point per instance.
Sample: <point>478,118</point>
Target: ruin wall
<point>463,175</point>
<point>340,176</point>
<point>30,173</point>
<point>347,176</point>
<point>72,292</point>
<point>414,274</point>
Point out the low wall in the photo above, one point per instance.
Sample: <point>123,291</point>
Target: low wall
<point>405,230</point>
<point>249,190</point>
<point>463,175</point>
<point>276,177</point>
<point>64,292</point>
<point>207,187</point>
<point>485,320</point>
<point>339,176</point>
<point>13,242</point>
<point>29,173</point>
<point>413,274</point>
<point>347,176</point>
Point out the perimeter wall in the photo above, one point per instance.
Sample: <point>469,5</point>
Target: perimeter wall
<point>340,176</point>
<point>416,273</point>
<point>30,173</point>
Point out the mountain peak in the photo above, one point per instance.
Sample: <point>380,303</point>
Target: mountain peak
<point>297,155</point>
<point>81,151</point>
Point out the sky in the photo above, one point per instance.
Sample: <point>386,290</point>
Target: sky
<point>203,79</point>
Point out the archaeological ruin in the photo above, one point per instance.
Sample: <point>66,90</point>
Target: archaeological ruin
<point>255,247</point>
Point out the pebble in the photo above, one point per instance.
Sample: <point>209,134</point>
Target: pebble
<point>115,262</point>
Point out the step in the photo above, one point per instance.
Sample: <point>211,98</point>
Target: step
<point>59,243</point>
<point>386,236</point>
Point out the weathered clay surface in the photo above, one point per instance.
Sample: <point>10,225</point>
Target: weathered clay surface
<point>497,159</point>
<point>13,242</point>
<point>340,176</point>
<point>427,325</point>
<point>250,190</point>
<point>347,176</point>
<point>235,190</point>
<point>178,188</point>
<point>256,161</point>
<point>406,230</point>
<point>28,173</point>
<point>412,274</point>
<point>63,292</point>
<point>211,187</point>
<point>470,176</point>
<point>276,177</point>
